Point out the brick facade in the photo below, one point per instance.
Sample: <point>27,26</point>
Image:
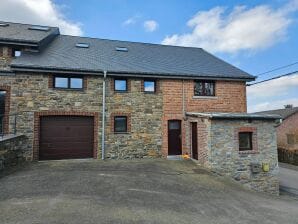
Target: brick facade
<point>230,97</point>
<point>289,126</point>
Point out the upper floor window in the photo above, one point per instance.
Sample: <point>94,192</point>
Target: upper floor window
<point>66,82</point>
<point>204,88</point>
<point>120,85</point>
<point>149,86</point>
<point>245,141</point>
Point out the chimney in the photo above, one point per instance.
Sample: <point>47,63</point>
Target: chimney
<point>288,106</point>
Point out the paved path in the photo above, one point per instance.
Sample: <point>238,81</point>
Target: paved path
<point>134,191</point>
<point>288,175</point>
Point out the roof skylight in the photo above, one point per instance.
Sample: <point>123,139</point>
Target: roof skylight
<point>82,45</point>
<point>4,24</point>
<point>124,49</point>
<point>40,28</point>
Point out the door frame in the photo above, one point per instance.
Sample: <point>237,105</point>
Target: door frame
<point>191,139</point>
<point>180,128</point>
<point>7,90</point>
<point>37,116</point>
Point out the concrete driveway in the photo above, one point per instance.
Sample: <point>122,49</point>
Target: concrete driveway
<point>138,191</point>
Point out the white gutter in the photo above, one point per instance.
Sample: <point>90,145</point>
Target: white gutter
<point>103,115</point>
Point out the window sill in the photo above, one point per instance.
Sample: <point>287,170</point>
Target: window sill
<point>120,91</point>
<point>121,133</point>
<point>68,89</point>
<point>205,97</point>
<point>248,152</point>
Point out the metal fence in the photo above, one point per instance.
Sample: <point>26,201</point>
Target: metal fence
<point>288,156</point>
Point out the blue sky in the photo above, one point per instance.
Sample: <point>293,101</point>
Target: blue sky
<point>255,36</point>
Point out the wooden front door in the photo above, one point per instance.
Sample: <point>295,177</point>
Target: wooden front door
<point>194,140</point>
<point>66,137</point>
<point>174,137</point>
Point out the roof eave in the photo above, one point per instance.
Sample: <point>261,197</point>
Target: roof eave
<point>121,73</point>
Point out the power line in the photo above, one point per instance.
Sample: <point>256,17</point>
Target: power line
<point>288,74</point>
<point>278,68</point>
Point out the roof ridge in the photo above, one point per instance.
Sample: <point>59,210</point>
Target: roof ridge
<point>127,41</point>
<point>27,24</point>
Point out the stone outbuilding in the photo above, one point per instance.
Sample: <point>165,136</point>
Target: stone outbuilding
<point>242,146</point>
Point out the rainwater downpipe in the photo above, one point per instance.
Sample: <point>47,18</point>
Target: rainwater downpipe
<point>103,115</point>
<point>183,100</point>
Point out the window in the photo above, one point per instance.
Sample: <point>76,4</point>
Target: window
<point>204,88</point>
<point>149,86</point>
<point>291,139</point>
<point>120,124</point>
<point>65,82</point>
<point>245,141</point>
<point>16,53</point>
<point>120,85</point>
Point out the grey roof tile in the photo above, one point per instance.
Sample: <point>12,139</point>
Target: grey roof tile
<point>141,58</point>
<point>284,113</point>
<point>20,33</point>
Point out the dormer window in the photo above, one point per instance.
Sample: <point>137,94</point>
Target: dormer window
<point>16,53</point>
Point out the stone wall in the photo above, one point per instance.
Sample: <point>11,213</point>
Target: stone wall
<point>226,158</point>
<point>11,151</point>
<point>30,93</point>
<point>144,112</point>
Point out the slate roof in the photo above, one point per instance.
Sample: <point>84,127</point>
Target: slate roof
<point>22,34</point>
<point>140,59</point>
<point>214,115</point>
<point>284,113</point>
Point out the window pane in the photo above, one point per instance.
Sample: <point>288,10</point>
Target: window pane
<point>245,141</point>
<point>76,83</point>
<point>209,89</point>
<point>120,85</point>
<point>120,124</point>
<point>198,89</point>
<point>174,125</point>
<point>291,139</point>
<point>61,82</point>
<point>149,86</point>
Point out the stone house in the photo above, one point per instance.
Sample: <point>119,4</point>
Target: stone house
<point>287,131</point>
<point>78,97</point>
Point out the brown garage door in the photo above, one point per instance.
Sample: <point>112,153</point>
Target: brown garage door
<point>65,137</point>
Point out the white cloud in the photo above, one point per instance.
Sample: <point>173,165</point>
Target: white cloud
<point>242,29</point>
<point>272,105</point>
<point>273,94</point>
<point>150,25</point>
<point>41,12</point>
<point>273,87</point>
<point>131,20</point>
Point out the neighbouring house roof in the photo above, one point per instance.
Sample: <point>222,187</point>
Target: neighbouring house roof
<point>213,115</point>
<point>284,113</point>
<point>26,34</point>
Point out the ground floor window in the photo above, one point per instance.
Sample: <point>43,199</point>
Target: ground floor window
<point>245,141</point>
<point>120,124</point>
